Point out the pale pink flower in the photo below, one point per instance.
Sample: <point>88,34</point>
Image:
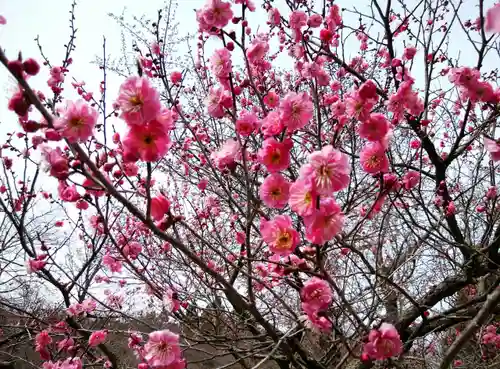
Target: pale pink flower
<point>227,154</point>
<point>97,337</point>
<point>383,343</point>
<point>215,13</point>
<point>138,101</point>
<point>493,147</point>
<point>493,19</point>
<point>246,123</point>
<point>296,110</point>
<point>274,191</point>
<point>374,128</point>
<point>220,63</point>
<point>77,121</point>
<point>162,348</point>
<point>279,234</point>
<point>258,49</point>
<point>275,155</point>
<point>217,100</point>
<point>303,197</point>
<point>329,170</point>
<point>373,158</point>
<point>272,124</point>
<point>324,224</point>
<point>316,295</point>
<point>333,18</point>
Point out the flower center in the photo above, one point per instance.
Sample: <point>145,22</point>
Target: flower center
<point>275,157</point>
<point>284,241</point>
<point>136,101</point>
<point>308,198</point>
<point>76,122</point>
<point>276,193</point>
<point>148,139</point>
<point>373,161</point>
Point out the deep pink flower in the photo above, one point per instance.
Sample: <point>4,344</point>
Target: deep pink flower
<point>57,162</point>
<point>373,158</point>
<point>246,123</point>
<point>383,343</point>
<point>324,224</point>
<point>77,121</point>
<point>159,207</point>
<point>275,155</point>
<point>303,197</point>
<point>97,337</point>
<point>274,191</point>
<point>279,234</point>
<point>271,99</point>
<point>227,154</point>
<point>328,169</point>
<point>175,77</point>
<point>411,179</point>
<point>316,295</point>
<point>272,124</point>
<point>68,193</point>
<point>375,128</point>
<point>493,19</point>
<point>162,348</point>
<point>315,21</point>
<point>296,110</point>
<point>138,101</point>
<point>3,20</point>
<point>149,142</point>
<point>493,147</point>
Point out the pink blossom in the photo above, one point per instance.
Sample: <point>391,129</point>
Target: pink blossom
<point>279,234</point>
<point>373,158</point>
<point>68,193</point>
<point>149,142</point>
<point>303,197</point>
<point>3,20</point>
<point>411,179</point>
<point>220,63</point>
<point>246,123</point>
<point>324,224</point>
<point>316,295</point>
<point>493,19</point>
<point>383,343</point>
<point>162,348</point>
<point>159,207</point>
<point>296,110</point>
<point>138,101</point>
<point>298,20</point>
<point>274,191</point>
<point>217,100</point>
<point>77,121</point>
<point>215,13</point>
<point>271,99</point>
<point>227,154</point>
<point>34,265</point>
<point>43,339</point>
<point>274,16</point>
<point>493,147</point>
<point>275,155</point>
<point>375,128</point>
<point>57,162</point>
<point>97,337</point>
<point>176,77</point>
<point>329,170</point>
<point>258,49</point>
<point>409,53</point>
<point>315,21</point>
<point>333,19</point>
<point>272,124</point>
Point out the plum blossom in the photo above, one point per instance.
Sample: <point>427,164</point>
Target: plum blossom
<point>373,158</point>
<point>329,170</point>
<point>275,155</point>
<point>138,100</point>
<point>303,197</point>
<point>383,343</point>
<point>227,154</point>
<point>279,234</point>
<point>274,191</point>
<point>324,224</point>
<point>162,348</point>
<point>296,110</point>
<point>77,121</point>
<point>493,147</point>
<point>316,295</point>
<point>493,19</point>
